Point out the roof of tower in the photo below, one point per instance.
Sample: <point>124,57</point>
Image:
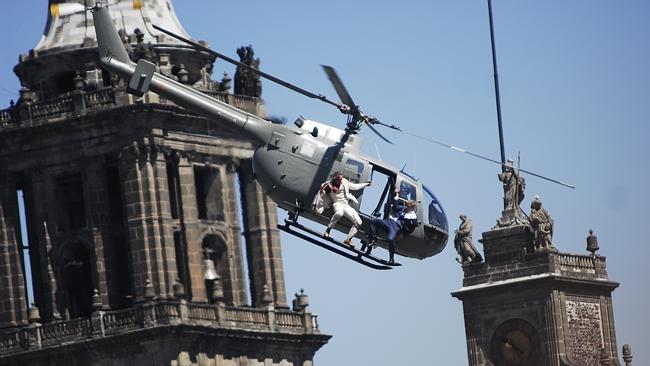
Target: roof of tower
<point>68,24</point>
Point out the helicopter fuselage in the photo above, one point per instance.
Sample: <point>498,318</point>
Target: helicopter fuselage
<point>294,164</point>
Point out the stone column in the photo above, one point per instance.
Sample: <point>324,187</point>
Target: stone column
<point>94,186</point>
<point>13,302</point>
<point>143,217</point>
<point>190,230</point>
<point>262,240</point>
<point>231,218</point>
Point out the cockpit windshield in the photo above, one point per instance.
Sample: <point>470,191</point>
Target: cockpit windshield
<point>433,211</point>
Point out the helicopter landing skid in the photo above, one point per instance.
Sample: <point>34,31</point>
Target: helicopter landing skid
<point>335,246</point>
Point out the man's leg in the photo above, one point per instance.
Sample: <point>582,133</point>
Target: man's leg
<point>352,215</point>
<point>374,223</point>
<point>338,213</point>
<point>393,230</point>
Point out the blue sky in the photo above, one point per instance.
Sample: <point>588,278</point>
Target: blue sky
<point>575,100</point>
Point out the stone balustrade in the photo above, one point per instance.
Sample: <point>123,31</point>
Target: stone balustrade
<point>79,102</point>
<point>152,314</point>
<point>569,264</point>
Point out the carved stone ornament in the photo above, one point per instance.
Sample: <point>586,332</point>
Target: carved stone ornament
<point>584,336</point>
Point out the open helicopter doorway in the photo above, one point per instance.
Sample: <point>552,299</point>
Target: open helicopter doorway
<point>377,197</point>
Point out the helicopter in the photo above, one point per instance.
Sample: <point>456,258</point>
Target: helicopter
<point>292,161</point>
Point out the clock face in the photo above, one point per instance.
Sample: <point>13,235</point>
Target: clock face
<point>515,343</point>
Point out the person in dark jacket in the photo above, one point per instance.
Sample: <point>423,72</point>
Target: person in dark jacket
<point>402,219</point>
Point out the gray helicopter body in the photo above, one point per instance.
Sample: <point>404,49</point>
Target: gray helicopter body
<point>291,161</point>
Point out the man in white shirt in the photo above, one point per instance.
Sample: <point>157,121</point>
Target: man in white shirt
<point>337,190</point>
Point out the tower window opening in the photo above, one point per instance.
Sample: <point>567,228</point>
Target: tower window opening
<point>182,265</point>
<point>71,198</point>
<point>173,186</point>
<point>208,193</point>
<point>115,204</point>
<point>26,256</point>
<point>77,279</point>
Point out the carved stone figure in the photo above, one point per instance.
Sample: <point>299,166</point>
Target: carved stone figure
<point>514,186</point>
<point>144,50</point>
<point>542,224</point>
<point>247,81</point>
<point>127,43</point>
<point>463,242</point>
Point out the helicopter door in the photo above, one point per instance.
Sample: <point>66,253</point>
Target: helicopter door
<point>377,196</point>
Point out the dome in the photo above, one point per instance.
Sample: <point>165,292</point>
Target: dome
<point>70,25</point>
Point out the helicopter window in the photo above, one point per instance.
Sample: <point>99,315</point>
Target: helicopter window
<point>355,165</point>
<point>433,211</point>
<point>407,191</point>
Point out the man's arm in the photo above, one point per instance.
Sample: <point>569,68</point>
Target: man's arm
<point>356,186</point>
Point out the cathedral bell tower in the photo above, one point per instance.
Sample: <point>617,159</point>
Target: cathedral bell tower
<point>148,240</point>
<point>529,304</point>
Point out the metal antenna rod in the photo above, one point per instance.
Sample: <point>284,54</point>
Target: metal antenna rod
<point>496,88</point>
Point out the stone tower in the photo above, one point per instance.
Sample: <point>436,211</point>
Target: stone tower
<point>531,307</point>
<point>134,214</point>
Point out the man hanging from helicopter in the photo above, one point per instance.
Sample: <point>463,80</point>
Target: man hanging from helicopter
<point>336,193</point>
<point>401,221</point>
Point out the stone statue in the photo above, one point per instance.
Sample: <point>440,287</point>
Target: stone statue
<point>247,81</point>
<point>144,50</point>
<point>463,242</point>
<point>127,43</point>
<point>514,186</point>
<point>542,224</point>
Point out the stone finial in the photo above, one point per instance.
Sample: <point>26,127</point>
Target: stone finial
<point>627,354</point>
<point>592,242</point>
<point>34,315</point>
<point>267,299</point>
<point>149,293</point>
<point>179,290</point>
<point>97,301</point>
<point>301,301</point>
<point>183,74</point>
<point>78,81</point>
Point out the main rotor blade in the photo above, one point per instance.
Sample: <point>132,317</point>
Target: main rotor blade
<point>394,127</point>
<point>340,89</point>
<point>378,134</point>
<point>487,159</point>
<point>272,78</point>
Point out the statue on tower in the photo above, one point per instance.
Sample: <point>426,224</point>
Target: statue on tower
<point>542,224</point>
<point>144,50</point>
<point>463,242</point>
<point>514,186</point>
<point>247,80</point>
